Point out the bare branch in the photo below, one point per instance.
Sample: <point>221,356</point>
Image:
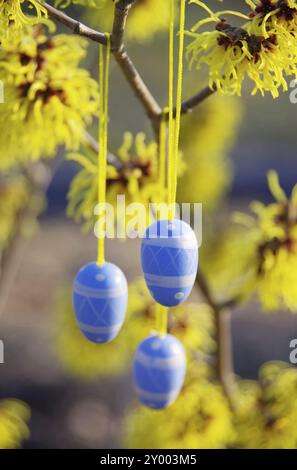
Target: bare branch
<point>132,75</point>
<point>191,103</point>
<point>93,144</point>
<point>76,26</point>
<point>225,367</point>
<point>197,99</point>
<point>152,108</point>
<point>122,7</point>
<point>119,23</point>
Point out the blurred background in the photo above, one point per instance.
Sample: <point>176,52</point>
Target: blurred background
<point>69,411</point>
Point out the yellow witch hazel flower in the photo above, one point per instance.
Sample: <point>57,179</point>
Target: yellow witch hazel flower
<point>14,415</point>
<point>267,411</point>
<point>265,249</point>
<point>135,176</point>
<point>191,323</point>
<point>49,100</point>
<point>13,16</point>
<point>279,16</point>
<point>207,137</point>
<point>263,48</point>
<point>276,250</point>
<point>200,419</point>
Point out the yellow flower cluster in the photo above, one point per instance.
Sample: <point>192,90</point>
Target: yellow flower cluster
<point>136,176</point>
<point>266,416</point>
<point>49,100</point>
<point>207,136</point>
<point>265,249</point>
<point>13,17</point>
<point>191,323</point>
<point>14,196</point>
<point>263,48</point>
<point>199,419</point>
<point>14,415</point>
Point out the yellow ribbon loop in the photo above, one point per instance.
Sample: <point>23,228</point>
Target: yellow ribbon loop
<point>103,138</point>
<point>173,133</point>
<point>174,121</point>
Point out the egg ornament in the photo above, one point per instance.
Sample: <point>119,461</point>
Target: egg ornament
<point>169,258</point>
<point>159,370</point>
<point>100,296</point>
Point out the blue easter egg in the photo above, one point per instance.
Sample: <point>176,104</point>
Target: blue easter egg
<point>159,370</point>
<point>169,256</point>
<point>100,295</point>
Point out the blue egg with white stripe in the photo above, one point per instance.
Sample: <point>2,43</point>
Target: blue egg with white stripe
<point>159,370</point>
<point>169,257</point>
<point>100,296</point>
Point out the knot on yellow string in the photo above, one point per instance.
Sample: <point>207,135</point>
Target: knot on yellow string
<point>103,137</point>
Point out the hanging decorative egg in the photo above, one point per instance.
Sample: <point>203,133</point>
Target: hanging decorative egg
<point>159,370</point>
<point>169,256</point>
<point>100,295</point>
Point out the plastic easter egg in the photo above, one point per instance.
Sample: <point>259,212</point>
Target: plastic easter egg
<point>159,370</point>
<point>169,257</point>
<point>100,295</point>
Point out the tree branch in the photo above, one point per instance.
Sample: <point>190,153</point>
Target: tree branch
<point>93,144</point>
<point>191,103</point>
<point>224,365</point>
<point>76,26</point>
<point>132,75</point>
<point>122,8</point>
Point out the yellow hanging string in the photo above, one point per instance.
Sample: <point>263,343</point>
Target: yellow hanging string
<point>162,155</point>
<point>161,319</point>
<point>170,102</point>
<point>103,137</point>
<point>161,312</point>
<point>173,134</point>
<point>174,126</point>
<point>179,94</point>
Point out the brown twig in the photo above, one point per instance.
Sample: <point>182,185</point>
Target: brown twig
<point>93,144</point>
<point>194,101</point>
<point>122,7</point>
<point>76,26</point>
<point>152,108</point>
<point>224,365</point>
<point>132,75</point>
